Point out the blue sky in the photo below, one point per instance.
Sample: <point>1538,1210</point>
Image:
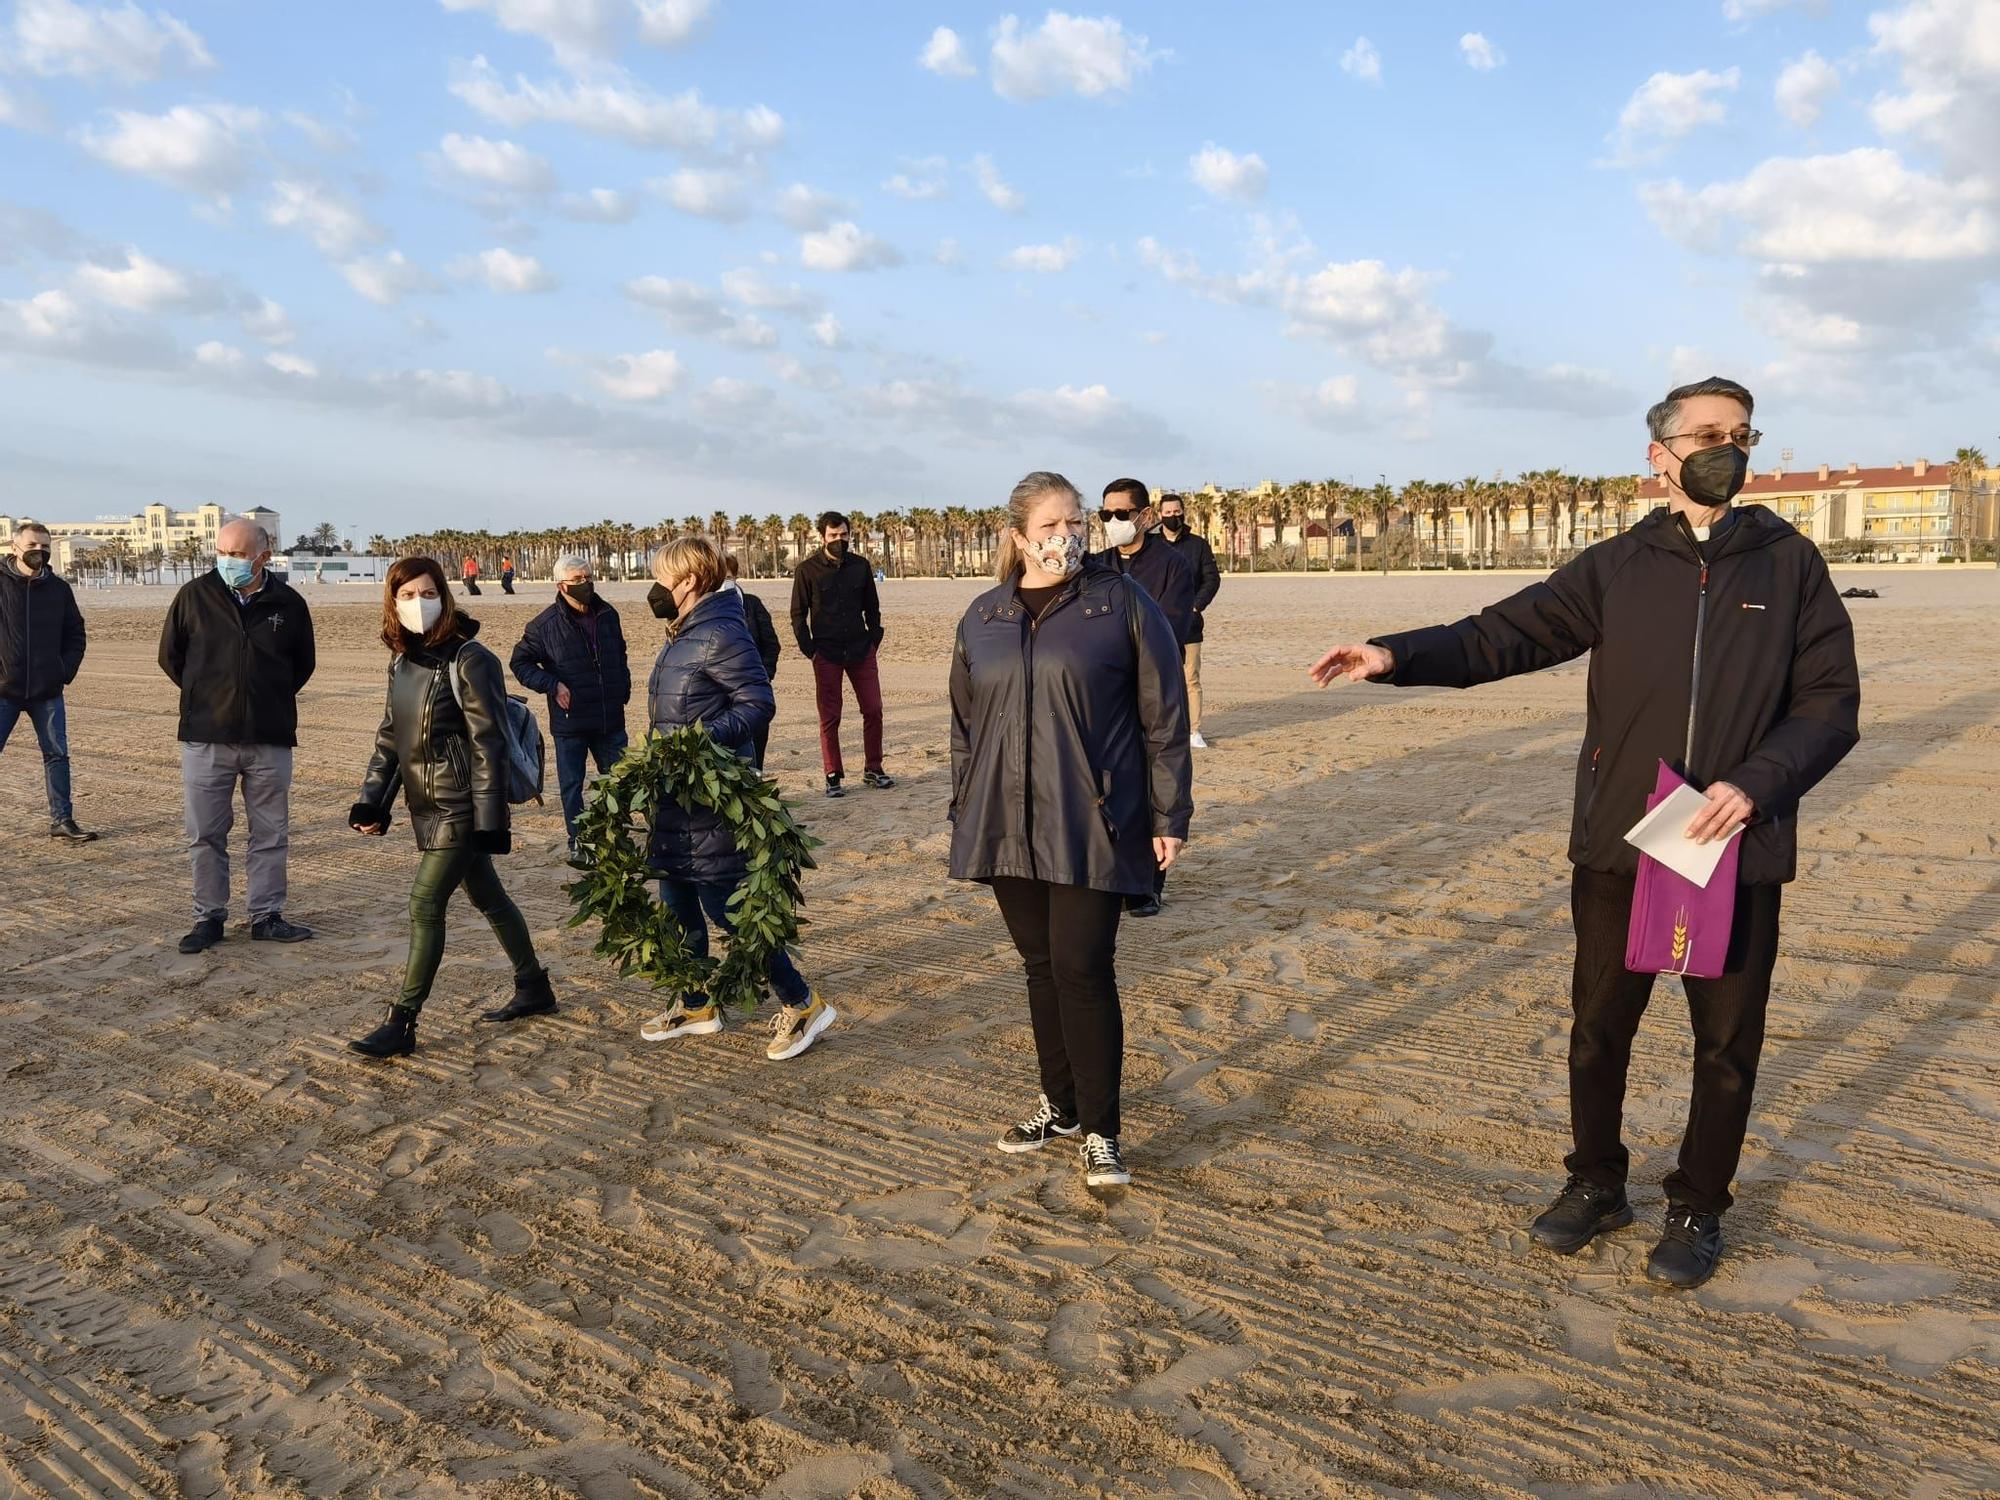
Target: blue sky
<point>411,262</point>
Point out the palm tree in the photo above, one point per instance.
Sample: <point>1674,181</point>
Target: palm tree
<point>1967,466</point>
<point>802,537</point>
<point>890,524</point>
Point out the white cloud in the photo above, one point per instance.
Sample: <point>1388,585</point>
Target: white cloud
<point>949,254</point>
<point>449,395</point>
<point>945,55</point>
<point>292,364</point>
<point>995,189</point>
<point>220,356</point>
<point>140,284</point>
<point>55,37</point>
<point>201,148</point>
<point>845,247</point>
<point>672,23</point>
<point>497,164</point>
<point>826,331</point>
<point>1667,107</point>
<point>804,207</point>
<point>333,223</point>
<point>640,377</point>
<point>1804,87</point>
<point>752,290</point>
<point>1223,174</point>
<point>1480,54</point>
<point>598,206</point>
<point>386,280</point>
<point>628,113</point>
<point>1066,54</point>
<point>503,271</point>
<point>55,323</point>
<point>1182,269</point>
<point>691,308</point>
<point>1948,52</point>
<point>922,180</point>
<point>820,377</point>
<point>579,31</point>
<point>1362,61</point>
<point>268,323</point>
<point>730,399</point>
<point>1043,259</point>
<point>705,192</point>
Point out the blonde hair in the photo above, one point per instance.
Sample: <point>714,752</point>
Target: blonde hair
<point>1036,486</point>
<point>691,557</point>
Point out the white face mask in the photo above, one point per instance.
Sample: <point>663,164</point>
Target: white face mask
<point>1056,557</point>
<point>418,613</point>
<point>1121,533</point>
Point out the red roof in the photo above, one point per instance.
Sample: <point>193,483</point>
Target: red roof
<point>1801,481</point>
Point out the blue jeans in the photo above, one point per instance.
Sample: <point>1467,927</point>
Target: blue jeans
<point>689,899</point>
<point>573,752</point>
<point>52,731</point>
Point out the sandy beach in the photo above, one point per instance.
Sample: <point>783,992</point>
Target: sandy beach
<point>235,1260</point>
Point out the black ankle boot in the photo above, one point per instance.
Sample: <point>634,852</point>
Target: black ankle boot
<point>532,997</point>
<point>1686,1254</point>
<point>395,1037</point>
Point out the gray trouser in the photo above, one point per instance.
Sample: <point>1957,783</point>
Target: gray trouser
<point>209,774</point>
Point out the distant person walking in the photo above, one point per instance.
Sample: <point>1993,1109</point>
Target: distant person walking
<point>1070,788</point>
<point>574,651</point>
<point>757,614</point>
<point>1718,646</point>
<point>837,622</point>
<point>41,651</point>
<point>1191,545</point>
<point>238,643</point>
<point>709,674</point>
<point>443,741</point>
<point>469,571</point>
<point>1167,576</point>
<point>506,574</point>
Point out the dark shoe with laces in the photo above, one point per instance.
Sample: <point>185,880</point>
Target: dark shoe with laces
<point>66,830</point>
<point>532,997</point>
<point>834,788</point>
<point>395,1037</point>
<point>273,928</point>
<point>206,934</point>
<point>880,780</point>
<point>1046,1124</point>
<point>1103,1163</point>
<point>1143,906</point>
<point>1687,1252</point>
<point>1582,1211</point>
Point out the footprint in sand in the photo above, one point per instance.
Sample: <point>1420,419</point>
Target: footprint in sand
<point>1076,1339</point>
<point>1190,1373</point>
<point>620,1206</point>
<point>750,1381</point>
<point>1197,1318</point>
<point>411,1151</point>
<point>507,1234</point>
<point>660,1120</point>
<point>833,1476</point>
<point>1301,1025</point>
<point>200,1464</point>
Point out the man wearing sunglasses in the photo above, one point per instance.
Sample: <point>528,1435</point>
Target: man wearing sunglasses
<point>1127,512</point>
<point>1719,645</point>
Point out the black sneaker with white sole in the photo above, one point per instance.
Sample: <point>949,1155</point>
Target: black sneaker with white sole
<point>833,787</point>
<point>1103,1166</point>
<point>880,780</point>
<point>1035,1132</point>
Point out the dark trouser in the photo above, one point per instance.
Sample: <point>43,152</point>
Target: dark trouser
<point>439,873</point>
<point>690,900</point>
<point>867,682</point>
<point>472,587</point>
<point>52,734</point>
<point>506,583</point>
<point>573,754</point>
<point>759,743</point>
<point>1728,1019</point>
<point>1067,936</point>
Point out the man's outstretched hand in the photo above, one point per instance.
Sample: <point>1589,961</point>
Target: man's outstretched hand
<point>1355,663</point>
<point>1727,808</point>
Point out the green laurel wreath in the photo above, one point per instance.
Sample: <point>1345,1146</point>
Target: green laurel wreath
<point>639,934</point>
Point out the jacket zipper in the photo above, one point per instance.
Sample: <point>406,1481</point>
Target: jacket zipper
<point>1694,681</point>
<point>1028,720</point>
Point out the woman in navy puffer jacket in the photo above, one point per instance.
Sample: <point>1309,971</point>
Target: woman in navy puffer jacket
<point>710,673</point>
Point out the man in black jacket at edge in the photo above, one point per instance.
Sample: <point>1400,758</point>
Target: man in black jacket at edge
<point>837,622</point>
<point>1173,530</point>
<point>41,651</point>
<point>1720,646</point>
<point>238,643</point>
<point>1126,511</point>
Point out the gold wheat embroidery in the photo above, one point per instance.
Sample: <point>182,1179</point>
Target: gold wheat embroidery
<point>1680,935</point>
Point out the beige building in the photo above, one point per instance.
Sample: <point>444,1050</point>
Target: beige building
<point>158,535</point>
<point>1906,512</point>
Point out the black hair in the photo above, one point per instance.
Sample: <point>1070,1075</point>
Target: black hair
<point>830,519</point>
<point>1132,487</point>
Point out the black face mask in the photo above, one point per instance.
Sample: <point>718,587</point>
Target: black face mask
<point>661,598</point>
<point>837,548</point>
<point>581,593</point>
<point>1171,525</point>
<point>1712,476</point>
<point>35,559</point>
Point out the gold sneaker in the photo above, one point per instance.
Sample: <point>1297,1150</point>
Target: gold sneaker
<point>678,1020</point>
<point>797,1027</point>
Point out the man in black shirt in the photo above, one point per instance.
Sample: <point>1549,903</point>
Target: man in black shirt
<point>1173,530</point>
<point>837,622</point>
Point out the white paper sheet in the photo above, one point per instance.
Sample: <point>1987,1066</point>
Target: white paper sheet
<point>1662,833</point>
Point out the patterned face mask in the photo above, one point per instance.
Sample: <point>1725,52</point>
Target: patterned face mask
<point>1057,557</point>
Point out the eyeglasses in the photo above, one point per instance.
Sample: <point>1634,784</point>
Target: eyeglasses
<point>1745,438</point>
<point>1116,515</point>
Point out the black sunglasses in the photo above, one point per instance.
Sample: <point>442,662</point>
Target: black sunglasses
<point>1116,515</point>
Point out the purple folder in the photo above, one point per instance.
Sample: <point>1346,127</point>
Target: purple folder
<point>1679,927</point>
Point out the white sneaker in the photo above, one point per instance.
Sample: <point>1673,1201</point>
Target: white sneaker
<point>678,1020</point>
<point>1102,1165</point>
<point>1197,741</point>
<point>797,1027</point>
